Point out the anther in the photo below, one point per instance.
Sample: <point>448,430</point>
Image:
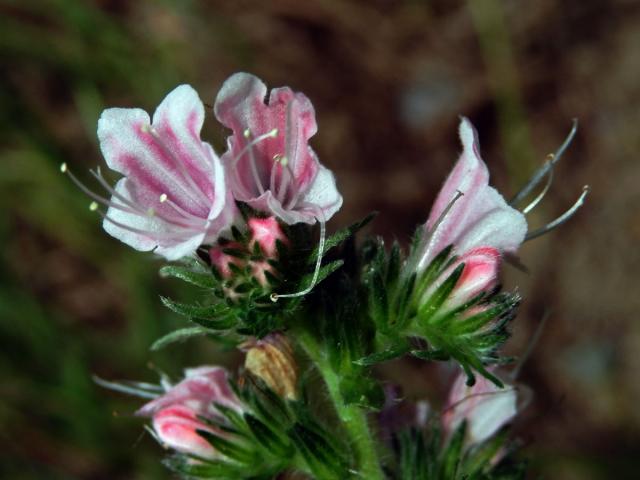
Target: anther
<point>93,206</point>
<point>63,167</point>
<point>247,133</point>
<point>151,212</point>
<point>163,198</point>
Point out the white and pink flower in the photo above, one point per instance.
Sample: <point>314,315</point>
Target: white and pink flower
<point>177,414</point>
<point>173,197</point>
<point>484,406</point>
<point>479,217</point>
<point>269,162</point>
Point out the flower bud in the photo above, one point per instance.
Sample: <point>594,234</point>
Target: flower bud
<point>480,274</point>
<point>265,232</point>
<point>176,427</point>
<point>271,360</point>
<point>178,413</point>
<point>484,406</point>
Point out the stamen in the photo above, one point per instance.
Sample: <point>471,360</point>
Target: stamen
<point>539,174</point>
<point>542,194</point>
<point>291,152</point>
<point>429,235</point>
<point>63,167</point>
<point>562,218</point>
<point>316,272</point>
<point>201,196</point>
<point>93,206</point>
<point>163,198</point>
<point>249,147</point>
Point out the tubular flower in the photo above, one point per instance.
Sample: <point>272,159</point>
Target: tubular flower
<point>484,406</point>
<point>468,213</point>
<point>269,162</point>
<point>173,197</point>
<point>177,415</point>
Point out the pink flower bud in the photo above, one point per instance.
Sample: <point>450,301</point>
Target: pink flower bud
<point>177,413</point>
<point>176,428</point>
<point>265,232</point>
<point>480,274</point>
<point>484,406</point>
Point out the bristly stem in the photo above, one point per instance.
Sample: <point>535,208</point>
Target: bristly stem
<point>352,417</point>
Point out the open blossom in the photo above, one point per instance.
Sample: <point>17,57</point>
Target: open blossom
<point>269,162</point>
<point>478,218</point>
<point>176,414</point>
<point>173,197</point>
<point>484,406</point>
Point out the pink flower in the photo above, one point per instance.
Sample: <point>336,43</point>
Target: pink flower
<point>479,218</point>
<point>173,197</point>
<point>480,274</point>
<point>266,232</point>
<point>175,415</point>
<point>484,406</point>
<point>269,162</point>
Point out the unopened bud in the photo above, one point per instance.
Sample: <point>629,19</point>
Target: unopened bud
<point>480,274</point>
<point>266,232</point>
<point>271,359</point>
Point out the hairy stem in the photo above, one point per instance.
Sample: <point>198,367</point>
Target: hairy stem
<point>352,417</point>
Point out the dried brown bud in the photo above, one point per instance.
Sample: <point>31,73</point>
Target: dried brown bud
<point>271,360</point>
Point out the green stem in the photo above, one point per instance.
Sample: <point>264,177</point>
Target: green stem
<point>352,417</point>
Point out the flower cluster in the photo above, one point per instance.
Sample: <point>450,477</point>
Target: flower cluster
<point>243,226</point>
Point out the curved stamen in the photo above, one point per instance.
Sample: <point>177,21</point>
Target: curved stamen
<point>234,161</point>
<point>316,272</point>
<point>562,218</point>
<point>542,194</point>
<point>127,206</point>
<point>539,174</point>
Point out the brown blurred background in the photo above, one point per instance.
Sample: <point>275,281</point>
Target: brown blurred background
<point>388,79</point>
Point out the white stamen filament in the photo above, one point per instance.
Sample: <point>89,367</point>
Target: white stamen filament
<point>129,207</point>
<point>291,150</point>
<point>316,272</point>
<point>431,232</point>
<point>562,218</point>
<point>193,222</point>
<point>248,147</point>
<point>534,203</point>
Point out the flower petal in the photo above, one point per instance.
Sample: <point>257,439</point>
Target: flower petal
<point>162,159</point>
<point>324,193</point>
<point>146,232</point>
<point>481,217</point>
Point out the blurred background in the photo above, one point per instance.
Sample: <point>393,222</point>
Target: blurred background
<point>388,79</point>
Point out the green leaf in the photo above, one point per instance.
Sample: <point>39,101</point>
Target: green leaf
<point>178,336</point>
<point>200,279</point>
<point>228,448</point>
<point>202,315</point>
<point>384,356</point>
